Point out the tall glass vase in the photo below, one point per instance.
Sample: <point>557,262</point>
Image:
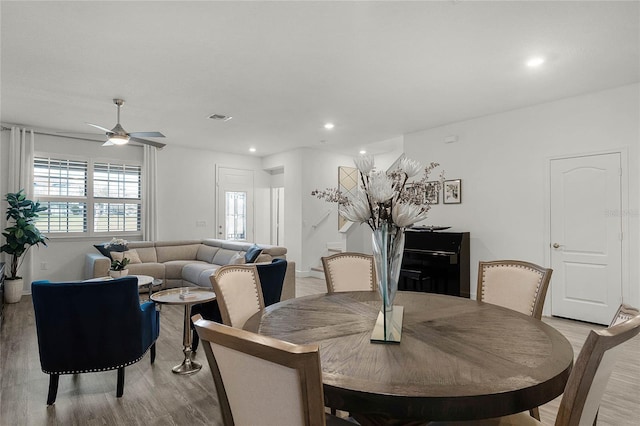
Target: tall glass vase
<point>388,247</point>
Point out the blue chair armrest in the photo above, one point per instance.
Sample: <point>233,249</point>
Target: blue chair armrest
<point>150,324</point>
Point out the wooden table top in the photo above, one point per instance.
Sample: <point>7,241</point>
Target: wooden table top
<point>172,296</point>
<point>458,359</point>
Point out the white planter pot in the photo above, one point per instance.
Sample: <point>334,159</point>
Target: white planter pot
<point>119,274</point>
<point>12,290</point>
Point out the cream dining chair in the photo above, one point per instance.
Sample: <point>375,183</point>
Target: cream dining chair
<point>238,292</point>
<point>349,272</point>
<point>264,381</point>
<point>587,381</point>
<point>514,284</point>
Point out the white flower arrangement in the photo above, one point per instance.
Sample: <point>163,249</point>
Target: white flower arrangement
<point>116,242</point>
<point>386,197</point>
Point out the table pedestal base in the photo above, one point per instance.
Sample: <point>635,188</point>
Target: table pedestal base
<point>188,366</point>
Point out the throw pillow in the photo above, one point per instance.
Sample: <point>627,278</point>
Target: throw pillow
<point>106,251</point>
<point>252,254</point>
<point>237,259</point>
<point>132,255</point>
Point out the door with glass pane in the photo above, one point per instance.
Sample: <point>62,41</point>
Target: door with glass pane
<point>235,204</point>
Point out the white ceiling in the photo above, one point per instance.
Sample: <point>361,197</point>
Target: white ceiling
<point>282,69</point>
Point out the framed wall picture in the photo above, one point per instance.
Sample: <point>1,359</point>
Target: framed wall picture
<point>433,192</point>
<point>452,191</point>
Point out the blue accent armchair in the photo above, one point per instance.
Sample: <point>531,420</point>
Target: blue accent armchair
<point>271,281</point>
<point>92,326</point>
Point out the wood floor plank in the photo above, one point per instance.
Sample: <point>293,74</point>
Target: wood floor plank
<point>154,395</point>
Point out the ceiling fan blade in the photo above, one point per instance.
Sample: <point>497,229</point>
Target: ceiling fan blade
<point>100,127</point>
<point>95,135</point>
<point>108,143</point>
<point>146,134</point>
<point>148,142</point>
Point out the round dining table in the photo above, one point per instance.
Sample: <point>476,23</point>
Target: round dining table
<point>458,359</point>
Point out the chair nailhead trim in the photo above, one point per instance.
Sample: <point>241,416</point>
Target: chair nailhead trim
<point>97,370</point>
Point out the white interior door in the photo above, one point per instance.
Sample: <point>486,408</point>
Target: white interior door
<point>586,237</point>
<point>235,204</point>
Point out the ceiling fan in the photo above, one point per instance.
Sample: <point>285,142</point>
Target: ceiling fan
<point>119,136</point>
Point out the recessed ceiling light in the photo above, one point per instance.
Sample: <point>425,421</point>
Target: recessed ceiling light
<point>329,126</point>
<point>535,61</point>
<point>362,152</point>
<point>220,117</point>
<point>252,149</point>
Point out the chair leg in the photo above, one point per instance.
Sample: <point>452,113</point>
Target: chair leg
<point>535,413</point>
<point>153,352</point>
<point>195,341</point>
<point>120,389</point>
<point>53,388</point>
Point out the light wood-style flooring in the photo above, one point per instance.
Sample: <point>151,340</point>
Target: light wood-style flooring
<point>153,395</point>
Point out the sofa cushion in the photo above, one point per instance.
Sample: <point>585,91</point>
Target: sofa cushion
<point>264,258</point>
<point>224,256</point>
<point>156,270</point>
<point>198,273</point>
<point>252,253</point>
<point>132,255</point>
<point>206,253</point>
<point>173,268</point>
<point>177,252</point>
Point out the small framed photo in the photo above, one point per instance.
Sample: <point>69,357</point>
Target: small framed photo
<point>452,191</point>
<point>433,192</point>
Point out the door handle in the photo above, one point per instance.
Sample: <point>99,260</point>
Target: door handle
<point>556,245</point>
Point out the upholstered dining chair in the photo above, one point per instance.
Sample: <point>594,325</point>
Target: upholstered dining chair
<point>94,326</point>
<point>514,284</point>
<point>271,281</point>
<point>238,292</point>
<point>264,381</point>
<point>349,271</point>
<point>624,313</point>
<point>587,381</point>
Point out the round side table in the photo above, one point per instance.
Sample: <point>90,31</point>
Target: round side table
<point>185,296</point>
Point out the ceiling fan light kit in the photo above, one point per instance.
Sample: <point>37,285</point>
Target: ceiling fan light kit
<point>119,136</point>
<point>118,139</point>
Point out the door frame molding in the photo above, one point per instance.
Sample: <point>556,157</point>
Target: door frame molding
<point>624,218</point>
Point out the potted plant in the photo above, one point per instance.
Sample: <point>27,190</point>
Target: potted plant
<point>20,236</point>
<point>119,268</point>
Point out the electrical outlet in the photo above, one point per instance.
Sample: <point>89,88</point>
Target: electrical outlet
<point>43,266</point>
<point>201,224</point>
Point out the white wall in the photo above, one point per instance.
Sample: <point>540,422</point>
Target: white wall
<point>305,170</point>
<point>502,160</point>
<point>187,192</point>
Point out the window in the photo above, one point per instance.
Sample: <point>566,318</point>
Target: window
<point>85,197</point>
<point>236,215</point>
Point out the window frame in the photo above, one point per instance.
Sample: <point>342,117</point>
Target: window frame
<point>90,199</point>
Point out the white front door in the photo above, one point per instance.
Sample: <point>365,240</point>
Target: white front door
<point>235,204</point>
<point>586,237</point>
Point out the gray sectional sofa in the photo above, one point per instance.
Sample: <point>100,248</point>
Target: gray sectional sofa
<point>189,263</point>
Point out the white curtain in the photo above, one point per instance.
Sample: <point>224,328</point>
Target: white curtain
<point>21,161</point>
<point>150,194</point>
<point>20,176</point>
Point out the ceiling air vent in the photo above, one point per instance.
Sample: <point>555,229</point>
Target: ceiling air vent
<point>220,117</point>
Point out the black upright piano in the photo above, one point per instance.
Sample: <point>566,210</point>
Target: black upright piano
<point>435,262</point>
